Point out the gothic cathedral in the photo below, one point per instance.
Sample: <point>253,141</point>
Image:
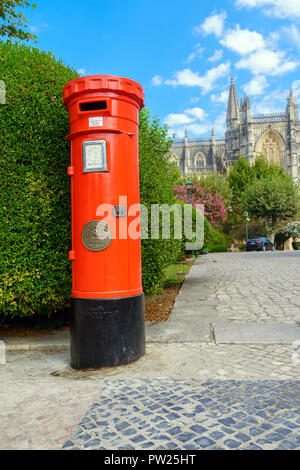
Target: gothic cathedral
<point>275,136</point>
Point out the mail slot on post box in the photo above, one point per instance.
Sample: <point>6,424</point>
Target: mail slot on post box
<point>107,302</point>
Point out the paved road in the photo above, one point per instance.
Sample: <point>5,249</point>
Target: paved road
<point>222,373</point>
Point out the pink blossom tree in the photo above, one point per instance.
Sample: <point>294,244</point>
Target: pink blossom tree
<point>214,207</point>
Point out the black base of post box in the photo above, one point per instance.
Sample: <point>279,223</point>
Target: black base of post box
<point>107,332</point>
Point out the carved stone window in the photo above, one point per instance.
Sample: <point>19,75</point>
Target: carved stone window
<point>200,162</point>
<point>174,159</point>
<point>271,147</point>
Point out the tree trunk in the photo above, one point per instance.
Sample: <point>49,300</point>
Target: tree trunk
<point>272,237</point>
<point>273,230</point>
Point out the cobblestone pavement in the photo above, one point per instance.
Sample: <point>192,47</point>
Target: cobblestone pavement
<point>181,395</point>
<point>255,286</point>
<point>157,414</point>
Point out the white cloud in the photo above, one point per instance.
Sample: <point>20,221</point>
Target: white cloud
<point>189,116</point>
<point>272,39</point>
<point>292,34</point>
<point>198,129</point>
<point>220,124</point>
<point>242,41</point>
<point>189,120</point>
<point>296,88</point>
<point>194,100</point>
<point>174,120</point>
<point>179,133</point>
<point>188,78</point>
<point>267,62</point>
<point>198,113</point>
<point>221,98</point>
<point>278,8</point>
<point>218,54</point>
<point>274,102</point>
<point>213,24</point>
<point>192,120</point>
<point>191,57</point>
<point>196,54</point>
<point>256,86</point>
<point>157,80</point>
<point>81,71</point>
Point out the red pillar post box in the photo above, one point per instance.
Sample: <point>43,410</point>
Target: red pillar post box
<point>107,302</point>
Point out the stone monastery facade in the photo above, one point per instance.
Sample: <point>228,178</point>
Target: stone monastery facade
<point>276,136</point>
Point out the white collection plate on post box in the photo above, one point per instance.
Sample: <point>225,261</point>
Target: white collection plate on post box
<point>94,156</point>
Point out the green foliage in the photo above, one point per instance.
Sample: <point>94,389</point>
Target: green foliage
<point>157,174</point>
<point>213,237</point>
<point>256,229</point>
<point>209,234</point>
<point>218,249</point>
<point>157,178</point>
<point>240,177</point>
<point>35,273</point>
<point>13,23</point>
<point>272,198</point>
<point>265,191</point>
<point>242,247</point>
<point>243,174</point>
<point>264,169</point>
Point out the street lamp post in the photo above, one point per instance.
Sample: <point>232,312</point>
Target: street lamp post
<point>246,220</point>
<point>189,186</point>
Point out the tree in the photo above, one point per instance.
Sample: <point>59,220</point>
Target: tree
<point>214,207</point>
<point>13,23</point>
<point>240,176</point>
<point>215,184</point>
<point>243,174</point>
<point>273,199</point>
<point>262,168</point>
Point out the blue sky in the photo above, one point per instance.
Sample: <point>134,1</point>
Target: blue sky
<point>182,53</point>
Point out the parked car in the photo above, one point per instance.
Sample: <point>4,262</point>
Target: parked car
<point>259,244</point>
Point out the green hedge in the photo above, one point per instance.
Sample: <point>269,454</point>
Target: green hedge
<point>35,273</point>
<point>157,179</point>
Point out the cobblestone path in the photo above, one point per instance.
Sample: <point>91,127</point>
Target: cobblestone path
<point>222,373</point>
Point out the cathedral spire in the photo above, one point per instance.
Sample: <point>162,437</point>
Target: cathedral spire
<point>246,102</point>
<point>233,112</point>
<point>290,100</point>
<point>292,106</point>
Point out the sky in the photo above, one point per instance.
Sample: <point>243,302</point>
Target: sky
<point>183,53</point>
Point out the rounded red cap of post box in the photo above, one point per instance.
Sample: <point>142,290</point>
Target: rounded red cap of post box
<point>96,83</point>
